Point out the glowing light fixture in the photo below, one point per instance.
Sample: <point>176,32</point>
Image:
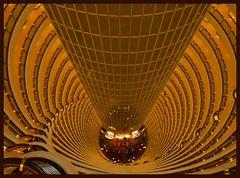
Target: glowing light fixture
<point>232,16</point>
<point>135,134</point>
<point>111,127</point>
<point>121,136</point>
<point>109,135</point>
<point>216,117</point>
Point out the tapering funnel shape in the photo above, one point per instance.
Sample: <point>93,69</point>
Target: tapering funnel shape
<point>125,53</point>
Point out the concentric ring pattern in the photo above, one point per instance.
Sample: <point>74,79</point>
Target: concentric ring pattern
<point>50,112</point>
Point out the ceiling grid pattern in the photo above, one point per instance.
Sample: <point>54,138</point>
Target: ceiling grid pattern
<point>48,107</point>
<point>122,66</point>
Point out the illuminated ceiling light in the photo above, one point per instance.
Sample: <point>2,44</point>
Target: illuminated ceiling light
<point>206,20</point>
<point>198,133</point>
<point>216,117</point>
<point>232,16</point>
<point>226,172</point>
<point>37,6</point>
<point>135,134</point>
<point>111,127</point>
<point>109,135</point>
<point>121,136</point>
<point>102,131</point>
<point>142,130</point>
<point>181,145</point>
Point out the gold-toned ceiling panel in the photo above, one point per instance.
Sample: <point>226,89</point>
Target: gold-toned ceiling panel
<point>191,128</point>
<point>124,53</point>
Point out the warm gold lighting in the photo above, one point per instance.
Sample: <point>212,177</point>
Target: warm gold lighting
<point>37,6</point>
<point>216,116</point>
<point>22,165</point>
<point>85,67</point>
<point>121,136</point>
<point>232,16</point>
<point>109,135</point>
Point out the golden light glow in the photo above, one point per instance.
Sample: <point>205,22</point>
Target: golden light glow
<point>164,66</point>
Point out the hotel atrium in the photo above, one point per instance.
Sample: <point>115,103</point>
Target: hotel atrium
<point>119,89</point>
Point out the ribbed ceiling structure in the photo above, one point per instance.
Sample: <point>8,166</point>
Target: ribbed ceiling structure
<point>124,53</point>
<point>61,82</point>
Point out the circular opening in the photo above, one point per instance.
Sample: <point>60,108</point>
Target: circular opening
<point>123,147</point>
